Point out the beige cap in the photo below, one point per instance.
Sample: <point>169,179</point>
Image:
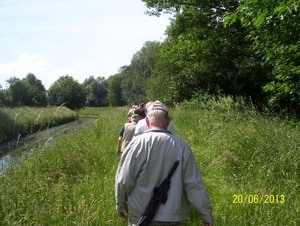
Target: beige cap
<point>157,105</point>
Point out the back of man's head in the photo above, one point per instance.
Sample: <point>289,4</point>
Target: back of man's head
<point>157,115</point>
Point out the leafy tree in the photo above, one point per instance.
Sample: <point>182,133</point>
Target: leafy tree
<point>162,85</point>
<point>115,97</point>
<point>12,80</point>
<point>274,30</point>
<point>200,54</point>
<point>17,92</point>
<point>26,92</point>
<point>36,91</point>
<point>97,90</point>
<point>3,98</point>
<point>67,91</point>
<point>136,74</point>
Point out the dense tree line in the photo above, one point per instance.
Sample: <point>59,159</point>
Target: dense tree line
<point>65,91</point>
<point>138,72</point>
<point>29,92</point>
<point>223,47</point>
<point>246,48</point>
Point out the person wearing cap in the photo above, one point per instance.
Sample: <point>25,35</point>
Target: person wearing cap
<point>130,112</point>
<point>142,125</point>
<point>146,162</point>
<point>126,133</point>
<point>142,110</point>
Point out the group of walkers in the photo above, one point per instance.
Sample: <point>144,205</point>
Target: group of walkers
<point>149,148</point>
<point>137,109</point>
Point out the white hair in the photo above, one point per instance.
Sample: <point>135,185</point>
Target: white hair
<point>155,116</point>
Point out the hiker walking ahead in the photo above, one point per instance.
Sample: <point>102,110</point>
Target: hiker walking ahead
<point>146,162</point>
<point>142,125</point>
<point>126,133</point>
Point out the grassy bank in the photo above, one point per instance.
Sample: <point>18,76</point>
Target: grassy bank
<point>249,164</point>
<point>22,121</point>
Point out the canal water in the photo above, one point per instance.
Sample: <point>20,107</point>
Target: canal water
<point>11,151</point>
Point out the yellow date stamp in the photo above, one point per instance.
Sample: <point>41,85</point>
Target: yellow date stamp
<point>258,199</point>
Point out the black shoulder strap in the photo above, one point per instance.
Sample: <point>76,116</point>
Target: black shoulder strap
<point>173,169</point>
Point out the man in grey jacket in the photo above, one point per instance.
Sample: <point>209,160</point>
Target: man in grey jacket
<point>146,162</point>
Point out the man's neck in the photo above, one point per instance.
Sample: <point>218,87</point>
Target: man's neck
<point>157,127</point>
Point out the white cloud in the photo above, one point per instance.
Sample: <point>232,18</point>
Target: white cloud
<point>79,38</point>
<point>79,76</point>
<point>25,64</point>
<point>40,66</point>
<point>75,74</point>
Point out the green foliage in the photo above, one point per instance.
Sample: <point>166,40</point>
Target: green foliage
<point>136,74</point>
<point>70,183</point>
<point>201,55</point>
<point>16,122</point>
<point>238,152</point>
<point>115,96</point>
<point>275,31</point>
<point>97,90</point>
<point>157,7</point>
<point>2,97</point>
<point>255,55</point>
<point>26,92</point>
<point>17,93</point>
<point>242,152</point>
<point>36,91</point>
<point>68,92</point>
<point>221,47</point>
<point>30,92</point>
<point>162,84</point>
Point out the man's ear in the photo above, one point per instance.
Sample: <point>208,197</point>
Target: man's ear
<point>147,122</point>
<point>169,121</point>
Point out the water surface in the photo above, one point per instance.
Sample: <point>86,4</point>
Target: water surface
<point>11,151</point>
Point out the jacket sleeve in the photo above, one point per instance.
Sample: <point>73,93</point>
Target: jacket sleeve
<point>194,188</point>
<point>128,168</point>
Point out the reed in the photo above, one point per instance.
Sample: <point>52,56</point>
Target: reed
<point>16,122</point>
<point>239,153</point>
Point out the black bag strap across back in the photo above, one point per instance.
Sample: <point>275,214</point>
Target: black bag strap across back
<point>159,196</point>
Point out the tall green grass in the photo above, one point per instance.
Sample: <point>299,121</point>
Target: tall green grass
<point>244,153</point>
<point>15,122</point>
<point>238,152</point>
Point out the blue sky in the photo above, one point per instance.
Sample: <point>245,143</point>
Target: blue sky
<point>75,37</point>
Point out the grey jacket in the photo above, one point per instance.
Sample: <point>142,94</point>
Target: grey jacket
<point>146,162</point>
